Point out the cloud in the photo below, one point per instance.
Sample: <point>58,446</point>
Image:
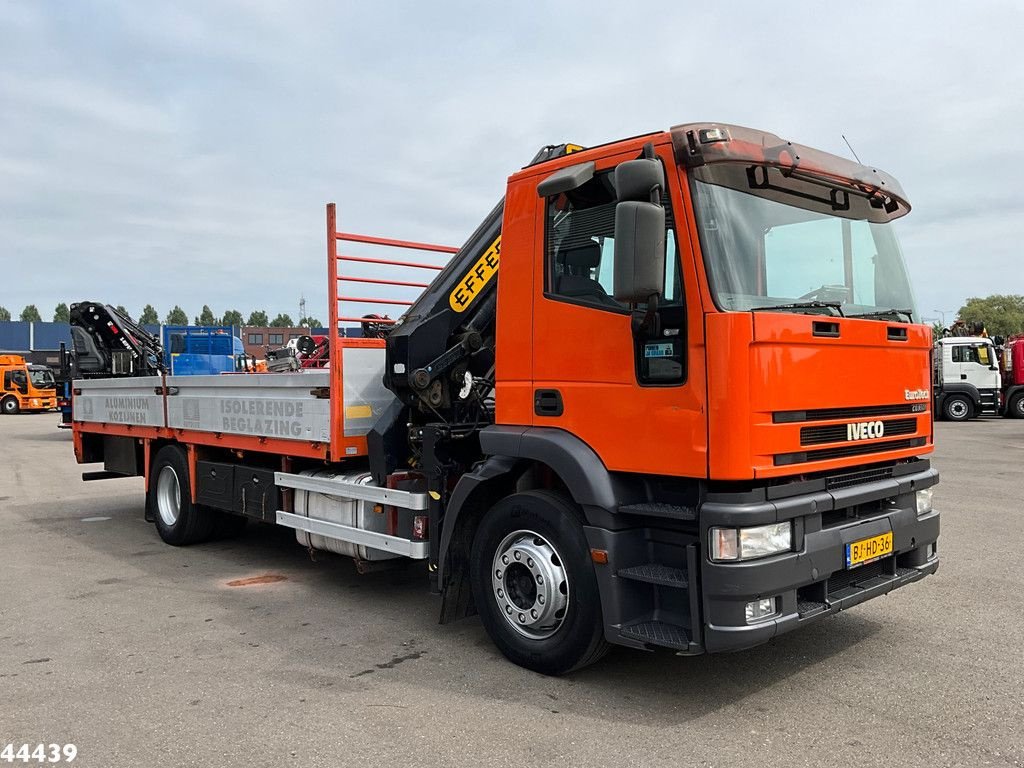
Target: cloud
<point>72,100</point>
<point>182,153</point>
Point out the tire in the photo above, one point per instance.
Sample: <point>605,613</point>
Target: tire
<point>535,622</point>
<point>1015,408</point>
<point>178,521</point>
<point>958,408</point>
<point>9,406</point>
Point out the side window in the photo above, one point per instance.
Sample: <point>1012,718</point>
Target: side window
<point>963,353</point>
<point>580,246</point>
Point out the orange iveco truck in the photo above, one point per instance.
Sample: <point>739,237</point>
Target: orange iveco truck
<point>25,387</point>
<point>672,393</point>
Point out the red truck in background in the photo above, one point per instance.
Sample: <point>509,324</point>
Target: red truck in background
<point>1013,377</point>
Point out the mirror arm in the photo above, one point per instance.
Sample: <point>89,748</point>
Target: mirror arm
<point>650,322</point>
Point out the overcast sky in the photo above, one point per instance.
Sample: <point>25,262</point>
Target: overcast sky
<point>182,152</point>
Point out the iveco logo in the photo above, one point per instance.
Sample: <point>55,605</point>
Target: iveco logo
<point>865,430</point>
<point>915,394</point>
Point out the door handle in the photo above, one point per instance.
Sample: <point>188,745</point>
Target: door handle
<point>963,375</point>
<point>547,402</point>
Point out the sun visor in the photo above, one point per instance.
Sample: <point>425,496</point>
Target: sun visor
<point>706,144</point>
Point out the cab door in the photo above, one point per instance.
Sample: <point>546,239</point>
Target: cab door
<point>975,363</point>
<point>635,398</point>
<point>19,381</point>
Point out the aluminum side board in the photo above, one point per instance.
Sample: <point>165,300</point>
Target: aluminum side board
<point>136,400</point>
<point>280,405</point>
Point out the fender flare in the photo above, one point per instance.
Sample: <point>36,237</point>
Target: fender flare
<point>579,466</point>
<point>959,388</point>
<point>575,462</point>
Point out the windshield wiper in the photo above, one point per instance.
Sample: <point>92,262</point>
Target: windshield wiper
<point>806,305</point>
<point>886,312</point>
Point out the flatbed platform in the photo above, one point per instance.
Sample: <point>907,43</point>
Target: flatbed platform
<point>294,406</point>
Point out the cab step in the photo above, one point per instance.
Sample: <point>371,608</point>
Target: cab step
<point>655,573</point>
<point>658,509</point>
<point>661,634</point>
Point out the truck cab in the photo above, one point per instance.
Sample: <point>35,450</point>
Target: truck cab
<point>25,387</point>
<point>967,379</point>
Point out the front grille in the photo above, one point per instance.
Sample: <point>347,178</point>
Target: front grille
<point>855,412</point>
<point>836,433</point>
<point>842,580</point>
<point>848,479</point>
<point>844,451</point>
<point>836,517</point>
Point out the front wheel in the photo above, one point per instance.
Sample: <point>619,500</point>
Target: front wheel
<point>957,408</point>
<point>10,406</point>
<point>1015,407</point>
<point>534,584</point>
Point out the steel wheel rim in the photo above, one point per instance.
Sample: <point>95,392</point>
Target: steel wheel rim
<point>168,496</point>
<point>958,409</point>
<point>530,584</point>
<point>1019,406</point>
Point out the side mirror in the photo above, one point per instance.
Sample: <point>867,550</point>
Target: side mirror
<point>639,231</point>
<point>566,179</point>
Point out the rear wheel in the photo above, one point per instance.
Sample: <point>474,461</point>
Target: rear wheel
<point>1015,407</point>
<point>9,405</point>
<point>957,408</point>
<point>534,584</point>
<point>169,503</point>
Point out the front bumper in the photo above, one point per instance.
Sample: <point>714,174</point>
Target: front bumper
<point>660,589</point>
<point>812,581</point>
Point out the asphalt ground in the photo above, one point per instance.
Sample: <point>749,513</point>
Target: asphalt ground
<point>141,654</point>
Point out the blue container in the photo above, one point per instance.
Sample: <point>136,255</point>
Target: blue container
<point>191,350</point>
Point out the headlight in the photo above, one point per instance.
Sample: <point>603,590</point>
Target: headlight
<point>750,543</point>
<point>924,501</point>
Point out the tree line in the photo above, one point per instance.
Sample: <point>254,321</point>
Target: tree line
<point>176,316</point>
<point>999,314</point>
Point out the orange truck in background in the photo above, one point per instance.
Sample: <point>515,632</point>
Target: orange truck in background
<point>25,387</point>
<point>672,393</point>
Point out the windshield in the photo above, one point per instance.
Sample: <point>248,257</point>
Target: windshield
<point>778,245</point>
<point>42,378</point>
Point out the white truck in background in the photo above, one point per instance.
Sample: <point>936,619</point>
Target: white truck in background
<point>967,382</point>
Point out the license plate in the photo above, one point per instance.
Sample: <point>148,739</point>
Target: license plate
<point>868,550</point>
